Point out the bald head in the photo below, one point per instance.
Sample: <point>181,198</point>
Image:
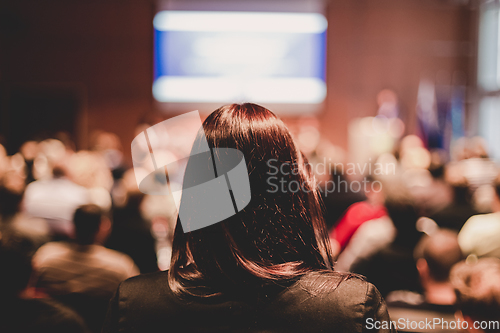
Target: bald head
<point>440,251</point>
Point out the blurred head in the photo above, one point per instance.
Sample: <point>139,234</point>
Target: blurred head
<point>477,286</point>
<point>278,236</point>
<point>134,197</point>
<point>11,194</point>
<point>106,141</point>
<point>436,254</point>
<point>404,216</point>
<point>454,176</point>
<point>15,262</point>
<point>29,150</point>
<point>89,169</point>
<point>59,171</point>
<point>91,224</point>
<point>374,191</point>
<point>439,158</point>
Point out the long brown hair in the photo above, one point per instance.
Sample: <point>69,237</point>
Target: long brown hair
<point>278,237</point>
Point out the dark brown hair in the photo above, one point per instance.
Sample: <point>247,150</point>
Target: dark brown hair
<point>278,237</point>
<point>87,220</point>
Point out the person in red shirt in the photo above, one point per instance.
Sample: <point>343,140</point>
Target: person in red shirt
<point>357,214</point>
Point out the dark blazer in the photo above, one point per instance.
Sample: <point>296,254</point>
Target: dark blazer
<point>146,304</point>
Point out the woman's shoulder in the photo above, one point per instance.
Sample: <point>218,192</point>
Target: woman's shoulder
<point>145,282</point>
<point>346,294</point>
<point>331,299</point>
<point>331,278</point>
<point>332,286</point>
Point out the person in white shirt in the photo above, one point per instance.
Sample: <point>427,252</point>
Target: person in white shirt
<point>55,200</point>
<point>481,233</point>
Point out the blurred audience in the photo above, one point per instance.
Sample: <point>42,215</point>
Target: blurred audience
<point>55,200</point>
<point>338,200</point>
<point>13,219</point>
<point>83,274</point>
<point>373,136</point>
<point>455,214</point>
<point>392,266</point>
<point>108,145</point>
<point>357,214</point>
<point>19,312</point>
<point>435,256</point>
<point>471,157</point>
<point>131,233</point>
<point>370,237</point>
<point>423,174</point>
<point>50,192</point>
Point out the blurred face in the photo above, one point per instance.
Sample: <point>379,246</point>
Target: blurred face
<point>375,195</point>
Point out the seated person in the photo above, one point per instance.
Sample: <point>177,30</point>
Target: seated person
<point>368,239</point>
<point>11,216</point>
<point>480,234</point>
<point>435,256</point>
<point>477,287</point>
<point>267,268</point>
<point>338,201</point>
<point>455,214</point>
<point>83,274</point>
<point>357,214</point>
<point>20,313</point>
<point>131,233</point>
<point>391,266</point>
